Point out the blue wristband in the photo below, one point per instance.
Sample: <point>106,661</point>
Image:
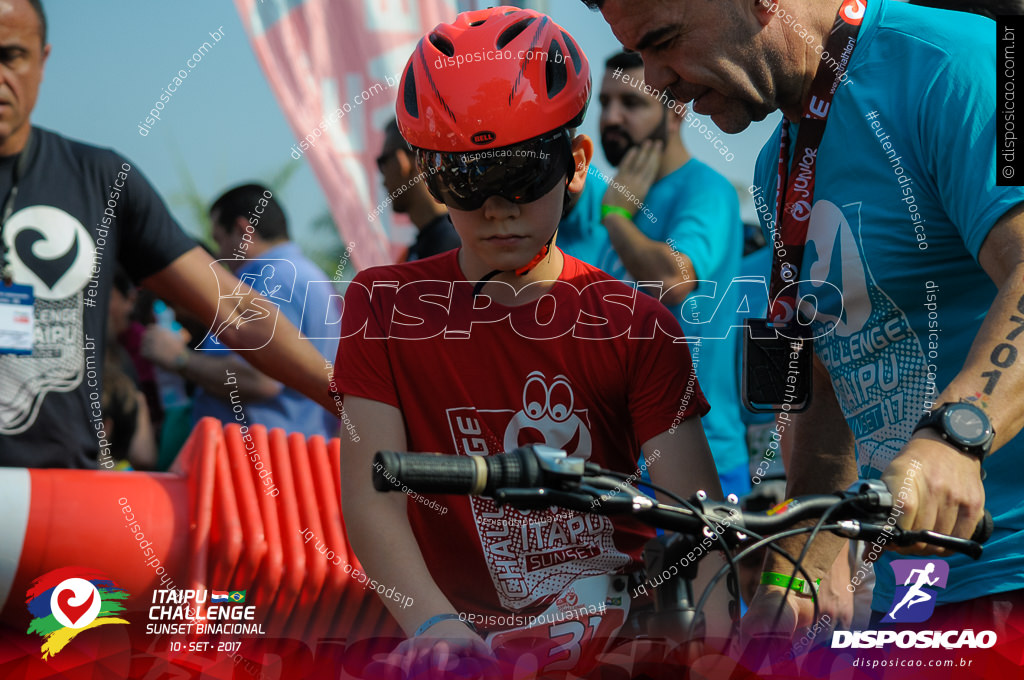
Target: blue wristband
<point>438,619</point>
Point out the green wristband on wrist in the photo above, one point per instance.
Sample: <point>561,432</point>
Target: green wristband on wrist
<point>607,210</point>
<point>799,585</point>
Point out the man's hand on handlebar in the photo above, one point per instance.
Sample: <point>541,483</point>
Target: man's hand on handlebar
<point>834,600</point>
<point>941,488</point>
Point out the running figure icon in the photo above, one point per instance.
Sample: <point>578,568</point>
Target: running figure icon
<point>273,281</point>
<point>915,595</point>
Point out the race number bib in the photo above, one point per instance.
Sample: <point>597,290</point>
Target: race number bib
<point>570,634</point>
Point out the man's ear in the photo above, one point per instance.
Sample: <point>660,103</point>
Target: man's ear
<point>762,12</point>
<point>238,228</point>
<point>582,152</point>
<point>406,162</point>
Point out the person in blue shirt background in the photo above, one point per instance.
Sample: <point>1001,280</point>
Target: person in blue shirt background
<point>580,233</point>
<point>251,232</point>
<point>669,218</point>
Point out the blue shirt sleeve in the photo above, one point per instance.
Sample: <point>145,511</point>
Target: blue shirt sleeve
<point>699,228</point>
<point>958,127</point>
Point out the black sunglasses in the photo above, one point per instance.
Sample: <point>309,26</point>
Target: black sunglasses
<point>520,173</point>
<point>384,158</point>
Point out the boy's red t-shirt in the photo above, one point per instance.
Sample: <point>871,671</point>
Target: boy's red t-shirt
<point>501,387</point>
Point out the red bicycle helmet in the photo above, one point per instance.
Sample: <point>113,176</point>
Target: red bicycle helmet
<point>494,77</point>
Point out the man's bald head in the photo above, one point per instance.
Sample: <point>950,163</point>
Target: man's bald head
<point>37,8</point>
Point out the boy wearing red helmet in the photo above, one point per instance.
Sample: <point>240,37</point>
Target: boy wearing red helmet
<point>505,342</point>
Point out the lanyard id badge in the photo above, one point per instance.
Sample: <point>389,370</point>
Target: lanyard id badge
<point>17,318</point>
<point>17,302</point>
<point>778,351</point>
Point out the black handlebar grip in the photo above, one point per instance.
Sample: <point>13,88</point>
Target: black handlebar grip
<point>516,469</point>
<point>432,473</point>
<point>424,472</point>
<point>983,531</point>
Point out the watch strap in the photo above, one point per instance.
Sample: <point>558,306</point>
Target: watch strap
<point>934,420</point>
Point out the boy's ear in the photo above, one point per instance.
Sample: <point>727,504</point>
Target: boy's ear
<point>582,152</point>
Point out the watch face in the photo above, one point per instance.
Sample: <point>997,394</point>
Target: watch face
<point>967,423</point>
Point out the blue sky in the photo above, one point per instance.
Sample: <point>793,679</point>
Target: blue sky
<point>111,61</point>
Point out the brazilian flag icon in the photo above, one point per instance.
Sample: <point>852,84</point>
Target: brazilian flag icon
<point>237,596</point>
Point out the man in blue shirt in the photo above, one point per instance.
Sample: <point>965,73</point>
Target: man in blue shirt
<point>669,218</point>
<point>580,233</point>
<point>925,254</point>
<point>251,232</point>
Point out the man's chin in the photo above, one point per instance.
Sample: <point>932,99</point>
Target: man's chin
<point>731,124</point>
<point>8,129</point>
<point>614,153</point>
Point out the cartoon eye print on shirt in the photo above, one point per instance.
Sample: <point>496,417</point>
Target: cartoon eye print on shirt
<point>548,417</point>
<point>556,400</point>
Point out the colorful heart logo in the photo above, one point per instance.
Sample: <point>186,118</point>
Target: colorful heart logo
<point>73,612</point>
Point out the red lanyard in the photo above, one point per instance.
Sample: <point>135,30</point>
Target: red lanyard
<point>793,208</point>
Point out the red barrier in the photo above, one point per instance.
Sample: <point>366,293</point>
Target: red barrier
<point>218,521</point>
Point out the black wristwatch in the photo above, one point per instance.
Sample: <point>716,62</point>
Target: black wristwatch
<point>962,425</point>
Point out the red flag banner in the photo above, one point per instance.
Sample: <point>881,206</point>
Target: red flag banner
<point>334,68</point>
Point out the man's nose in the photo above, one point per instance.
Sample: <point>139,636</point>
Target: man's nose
<point>661,77</point>
<point>611,114</point>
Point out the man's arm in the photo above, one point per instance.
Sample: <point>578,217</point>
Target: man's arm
<point>209,370</point>
<point>645,259</point>
<point>648,260</point>
<point>818,452</point>
<point>142,451</point>
<point>191,282</point>
<point>948,495</point>
<point>378,523</point>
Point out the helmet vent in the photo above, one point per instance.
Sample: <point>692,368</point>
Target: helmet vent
<point>409,92</point>
<point>477,23</point>
<point>443,44</point>
<point>556,72</point>
<point>512,32</point>
<point>577,63</point>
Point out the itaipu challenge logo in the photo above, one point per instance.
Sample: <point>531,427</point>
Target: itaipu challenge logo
<point>69,600</point>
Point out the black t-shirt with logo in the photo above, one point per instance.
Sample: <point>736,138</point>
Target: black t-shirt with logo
<point>80,211</point>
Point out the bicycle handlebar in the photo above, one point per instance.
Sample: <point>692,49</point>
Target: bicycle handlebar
<point>538,476</point>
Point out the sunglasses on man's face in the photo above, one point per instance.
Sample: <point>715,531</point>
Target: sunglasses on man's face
<point>520,173</point>
<point>383,159</point>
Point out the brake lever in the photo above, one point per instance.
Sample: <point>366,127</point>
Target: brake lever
<point>972,549</point>
<point>538,499</point>
<point>902,538</point>
<point>606,483</point>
